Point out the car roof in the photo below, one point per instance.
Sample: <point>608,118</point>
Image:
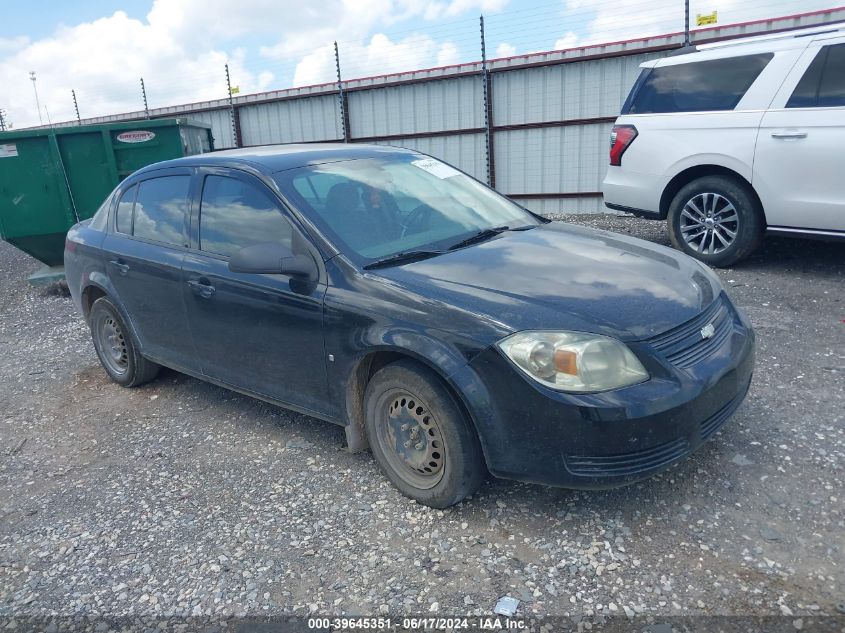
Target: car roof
<point>268,159</point>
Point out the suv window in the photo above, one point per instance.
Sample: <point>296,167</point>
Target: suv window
<point>716,84</point>
<point>160,209</point>
<point>123,217</point>
<point>823,83</point>
<point>235,214</point>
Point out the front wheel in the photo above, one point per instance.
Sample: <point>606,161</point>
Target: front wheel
<point>717,220</point>
<point>420,437</point>
<point>114,345</point>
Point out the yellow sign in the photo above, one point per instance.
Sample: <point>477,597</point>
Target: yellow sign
<point>704,19</point>
<point>235,90</point>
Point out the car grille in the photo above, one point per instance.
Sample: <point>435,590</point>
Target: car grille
<point>626,463</point>
<point>684,346</point>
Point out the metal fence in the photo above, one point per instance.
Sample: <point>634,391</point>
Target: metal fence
<point>547,115</point>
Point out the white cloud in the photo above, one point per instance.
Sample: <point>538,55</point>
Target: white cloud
<point>505,50</point>
<point>447,54</point>
<point>599,21</point>
<point>438,9</point>
<point>11,44</point>
<point>104,61</point>
<point>182,45</point>
<point>570,40</point>
<point>378,56</point>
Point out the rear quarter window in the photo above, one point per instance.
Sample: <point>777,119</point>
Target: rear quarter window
<point>123,216</point>
<point>716,84</point>
<point>100,219</point>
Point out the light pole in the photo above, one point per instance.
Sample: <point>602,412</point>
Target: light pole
<point>37,104</point>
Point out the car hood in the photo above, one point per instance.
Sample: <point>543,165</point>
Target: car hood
<point>568,277</point>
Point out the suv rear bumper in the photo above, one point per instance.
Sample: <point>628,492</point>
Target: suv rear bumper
<point>633,192</point>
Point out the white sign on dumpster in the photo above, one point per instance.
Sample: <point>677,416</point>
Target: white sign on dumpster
<point>8,150</point>
<point>136,136</point>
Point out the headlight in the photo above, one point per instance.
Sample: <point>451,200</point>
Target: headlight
<point>574,361</point>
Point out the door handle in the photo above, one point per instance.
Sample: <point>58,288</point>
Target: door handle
<point>204,290</point>
<point>122,268</point>
<point>789,135</point>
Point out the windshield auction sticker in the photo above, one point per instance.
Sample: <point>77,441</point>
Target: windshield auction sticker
<point>436,168</point>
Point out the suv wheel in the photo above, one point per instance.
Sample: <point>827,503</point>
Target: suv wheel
<point>117,351</point>
<point>420,437</point>
<point>717,220</point>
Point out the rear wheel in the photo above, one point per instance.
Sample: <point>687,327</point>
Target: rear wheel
<point>717,220</point>
<point>114,345</point>
<point>420,437</point>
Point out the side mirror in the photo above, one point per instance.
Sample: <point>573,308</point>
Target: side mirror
<point>273,258</point>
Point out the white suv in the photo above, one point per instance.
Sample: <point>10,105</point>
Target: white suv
<point>733,139</point>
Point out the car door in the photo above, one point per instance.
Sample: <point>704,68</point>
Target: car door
<point>144,249</point>
<point>262,333</point>
<point>798,157</point>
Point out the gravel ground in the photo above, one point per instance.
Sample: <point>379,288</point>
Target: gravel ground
<point>181,498</point>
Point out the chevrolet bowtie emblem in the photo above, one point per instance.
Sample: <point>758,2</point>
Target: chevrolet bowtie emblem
<point>708,331</point>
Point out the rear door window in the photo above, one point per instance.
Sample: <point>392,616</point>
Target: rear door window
<point>160,209</point>
<point>716,84</point>
<point>235,214</point>
<point>823,84</point>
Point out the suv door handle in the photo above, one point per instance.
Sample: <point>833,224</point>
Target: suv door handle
<point>122,268</point>
<point>789,135</point>
<point>202,288</point>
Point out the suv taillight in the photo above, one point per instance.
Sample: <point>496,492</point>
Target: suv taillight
<point>621,137</point>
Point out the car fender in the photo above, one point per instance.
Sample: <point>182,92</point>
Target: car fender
<point>440,351</point>
<point>98,279</point>
<point>716,160</point>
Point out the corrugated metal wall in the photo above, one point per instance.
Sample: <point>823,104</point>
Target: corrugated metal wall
<point>221,126</point>
<point>292,121</point>
<point>569,158</point>
<point>580,90</point>
<point>435,106</point>
<point>550,112</point>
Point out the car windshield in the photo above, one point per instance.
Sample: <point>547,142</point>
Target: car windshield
<point>375,208</point>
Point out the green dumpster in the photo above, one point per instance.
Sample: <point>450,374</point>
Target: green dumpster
<point>51,178</point>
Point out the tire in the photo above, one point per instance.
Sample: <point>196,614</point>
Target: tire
<point>734,217</point>
<point>414,425</point>
<point>116,349</point>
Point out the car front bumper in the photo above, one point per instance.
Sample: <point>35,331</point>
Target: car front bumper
<point>603,440</point>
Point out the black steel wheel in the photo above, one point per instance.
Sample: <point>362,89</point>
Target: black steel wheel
<point>115,347</point>
<point>411,440</point>
<point>420,436</point>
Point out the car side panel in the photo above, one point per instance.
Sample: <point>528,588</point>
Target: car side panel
<point>798,158</point>
<point>667,144</point>
<point>83,258</point>
<point>148,280</point>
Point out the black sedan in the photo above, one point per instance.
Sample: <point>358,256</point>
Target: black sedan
<point>446,327</point>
